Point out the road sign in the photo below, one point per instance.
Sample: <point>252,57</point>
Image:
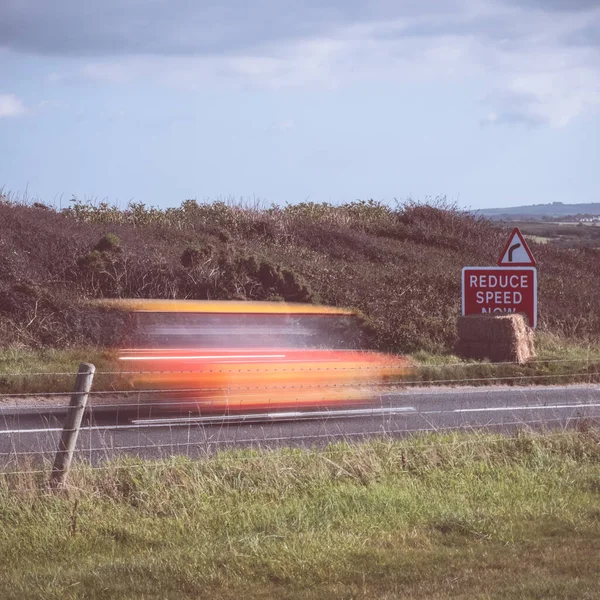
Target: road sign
<point>516,253</point>
<point>497,290</point>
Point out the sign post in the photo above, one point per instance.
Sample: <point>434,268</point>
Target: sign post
<point>511,287</point>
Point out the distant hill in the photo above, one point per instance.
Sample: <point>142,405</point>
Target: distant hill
<point>539,211</point>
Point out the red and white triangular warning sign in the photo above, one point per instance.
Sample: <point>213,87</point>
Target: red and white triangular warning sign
<point>516,253</point>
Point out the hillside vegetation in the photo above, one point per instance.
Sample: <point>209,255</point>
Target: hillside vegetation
<point>400,266</point>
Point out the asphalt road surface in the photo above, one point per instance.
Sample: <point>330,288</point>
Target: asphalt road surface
<point>27,431</point>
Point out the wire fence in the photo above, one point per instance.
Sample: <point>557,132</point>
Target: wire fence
<point>310,410</point>
<point>439,365</point>
<point>110,382</point>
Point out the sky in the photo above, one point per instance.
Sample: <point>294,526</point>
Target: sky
<point>490,103</point>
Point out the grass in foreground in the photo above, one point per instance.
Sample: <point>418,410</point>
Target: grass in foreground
<point>461,516</point>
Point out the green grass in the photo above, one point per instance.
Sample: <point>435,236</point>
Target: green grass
<point>453,516</point>
<point>558,361</point>
<point>24,370</point>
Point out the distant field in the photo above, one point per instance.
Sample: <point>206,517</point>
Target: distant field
<point>538,239</point>
<point>562,234</point>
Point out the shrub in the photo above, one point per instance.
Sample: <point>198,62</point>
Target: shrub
<point>192,256</point>
<point>108,243</point>
<point>224,236</point>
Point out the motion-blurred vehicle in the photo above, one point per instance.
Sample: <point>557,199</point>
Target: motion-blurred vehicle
<point>243,357</point>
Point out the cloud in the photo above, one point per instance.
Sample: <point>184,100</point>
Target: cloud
<point>558,5</point>
<point>166,27</point>
<point>11,106</point>
<point>509,117</point>
<point>284,126</point>
<point>536,61</point>
<point>76,28</point>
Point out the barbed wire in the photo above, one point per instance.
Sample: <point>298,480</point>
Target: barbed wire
<point>234,400</point>
<point>199,404</point>
<point>395,383</point>
<point>211,441</point>
<point>374,436</point>
<point>423,366</point>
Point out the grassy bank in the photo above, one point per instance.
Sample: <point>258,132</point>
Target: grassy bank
<point>559,361</point>
<point>459,516</point>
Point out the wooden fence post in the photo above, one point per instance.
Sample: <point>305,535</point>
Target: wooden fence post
<point>70,432</point>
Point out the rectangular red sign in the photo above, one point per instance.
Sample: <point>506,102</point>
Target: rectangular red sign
<point>497,290</point>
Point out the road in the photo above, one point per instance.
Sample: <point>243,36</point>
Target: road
<point>26,432</point>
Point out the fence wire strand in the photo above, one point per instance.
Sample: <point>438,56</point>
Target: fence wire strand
<point>439,365</point>
<point>398,383</point>
<point>374,436</point>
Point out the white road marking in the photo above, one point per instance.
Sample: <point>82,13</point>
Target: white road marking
<point>504,408</point>
<point>46,430</point>
<point>283,416</point>
<point>243,418</point>
<point>297,415</point>
<point>489,390</point>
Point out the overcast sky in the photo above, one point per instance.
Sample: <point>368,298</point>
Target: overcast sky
<point>491,103</point>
